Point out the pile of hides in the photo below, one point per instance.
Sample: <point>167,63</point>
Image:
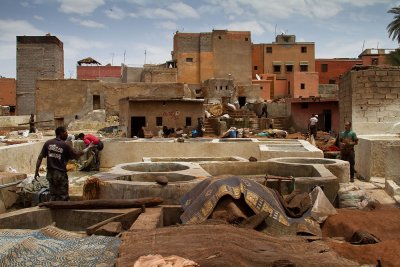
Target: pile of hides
<point>238,199</point>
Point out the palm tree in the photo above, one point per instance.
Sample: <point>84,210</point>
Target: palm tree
<point>394,27</point>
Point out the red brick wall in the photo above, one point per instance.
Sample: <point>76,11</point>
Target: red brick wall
<point>336,68</point>
<point>95,72</point>
<point>7,92</point>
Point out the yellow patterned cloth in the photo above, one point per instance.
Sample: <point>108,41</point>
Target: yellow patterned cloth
<point>51,246</point>
<point>200,202</point>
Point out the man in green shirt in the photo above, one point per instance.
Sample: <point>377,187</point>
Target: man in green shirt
<point>348,139</point>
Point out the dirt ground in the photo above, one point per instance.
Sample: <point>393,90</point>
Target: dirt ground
<point>226,245</point>
<point>383,223</point>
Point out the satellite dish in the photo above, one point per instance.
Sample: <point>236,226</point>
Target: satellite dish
<point>258,77</point>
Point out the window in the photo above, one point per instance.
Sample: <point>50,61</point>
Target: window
<point>304,49</point>
<point>303,67</point>
<point>219,37</point>
<point>159,121</point>
<point>269,49</point>
<point>374,61</point>
<point>304,105</point>
<point>246,39</point>
<point>324,67</point>
<point>302,86</point>
<point>277,68</point>
<point>289,68</point>
<point>188,121</point>
<point>220,88</point>
<point>332,81</point>
<point>255,67</point>
<point>189,59</point>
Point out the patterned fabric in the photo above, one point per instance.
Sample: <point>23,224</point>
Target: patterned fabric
<point>51,246</point>
<point>200,202</point>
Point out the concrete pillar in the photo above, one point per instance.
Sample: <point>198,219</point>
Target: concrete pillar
<point>392,166</point>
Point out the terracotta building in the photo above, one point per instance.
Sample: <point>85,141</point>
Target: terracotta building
<point>8,93</point>
<point>38,57</point>
<point>292,63</point>
<point>331,70</point>
<point>90,69</point>
<point>217,54</point>
<point>375,56</point>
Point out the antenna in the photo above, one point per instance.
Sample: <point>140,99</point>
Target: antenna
<point>124,55</point>
<point>276,25</point>
<point>112,59</point>
<point>145,54</point>
<point>362,50</point>
<point>377,45</point>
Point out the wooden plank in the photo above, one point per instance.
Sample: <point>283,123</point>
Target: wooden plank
<point>151,219</point>
<point>130,216</point>
<point>103,203</point>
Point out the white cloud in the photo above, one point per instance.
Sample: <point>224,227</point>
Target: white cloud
<point>87,23</point>
<point>79,7</point>
<point>252,26</point>
<point>9,29</point>
<point>115,13</point>
<point>157,13</point>
<point>183,10</point>
<point>24,4</point>
<point>169,25</point>
<point>174,11</point>
<point>154,54</point>
<point>7,51</point>
<point>38,17</point>
<point>272,9</point>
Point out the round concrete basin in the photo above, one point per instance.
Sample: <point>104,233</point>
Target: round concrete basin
<point>151,177</point>
<point>154,167</point>
<point>307,161</point>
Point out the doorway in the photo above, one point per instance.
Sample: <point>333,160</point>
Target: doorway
<point>96,102</point>
<point>242,101</point>
<point>327,120</point>
<point>136,124</point>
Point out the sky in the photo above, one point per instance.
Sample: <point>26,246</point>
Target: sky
<point>135,32</point>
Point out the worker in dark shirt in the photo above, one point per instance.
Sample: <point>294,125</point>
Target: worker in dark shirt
<point>32,128</point>
<point>57,152</point>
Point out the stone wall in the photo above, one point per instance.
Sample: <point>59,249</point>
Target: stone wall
<point>159,75</point>
<point>75,98</point>
<point>328,90</point>
<point>219,90</point>
<point>369,98</point>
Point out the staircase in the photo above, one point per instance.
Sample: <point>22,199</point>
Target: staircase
<point>280,123</point>
<point>209,127</point>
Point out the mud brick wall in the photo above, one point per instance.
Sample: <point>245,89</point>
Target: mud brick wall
<point>369,98</point>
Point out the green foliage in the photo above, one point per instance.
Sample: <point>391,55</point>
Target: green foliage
<point>394,57</point>
<point>394,27</point>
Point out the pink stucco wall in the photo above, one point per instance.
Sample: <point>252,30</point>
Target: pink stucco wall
<point>300,115</point>
<point>310,81</point>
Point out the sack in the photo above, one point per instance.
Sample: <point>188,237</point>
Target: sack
<point>322,208</point>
